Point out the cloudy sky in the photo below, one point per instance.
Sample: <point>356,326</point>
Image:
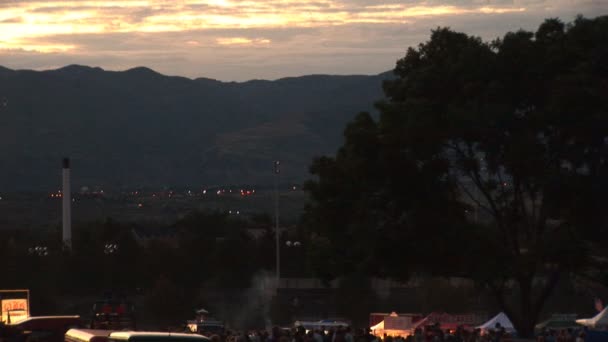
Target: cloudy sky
<point>246,39</point>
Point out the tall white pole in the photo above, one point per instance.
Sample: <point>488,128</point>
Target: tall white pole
<point>67,205</point>
<point>277,172</point>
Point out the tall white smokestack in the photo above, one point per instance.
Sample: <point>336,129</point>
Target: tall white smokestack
<point>67,205</point>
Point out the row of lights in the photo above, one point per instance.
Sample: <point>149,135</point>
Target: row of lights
<point>242,192</point>
<point>170,194</point>
<point>57,194</point>
<point>109,248</point>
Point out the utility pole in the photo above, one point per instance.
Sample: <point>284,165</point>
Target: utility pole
<point>66,216</point>
<point>277,172</point>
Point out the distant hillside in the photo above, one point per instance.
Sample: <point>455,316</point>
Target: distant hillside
<point>141,128</point>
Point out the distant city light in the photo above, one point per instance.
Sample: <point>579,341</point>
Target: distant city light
<point>57,194</point>
<point>277,167</point>
<point>204,192</point>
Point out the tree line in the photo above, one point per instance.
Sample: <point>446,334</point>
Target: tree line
<point>171,269</point>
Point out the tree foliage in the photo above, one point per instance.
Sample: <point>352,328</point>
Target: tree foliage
<point>488,160</point>
<point>207,250</point>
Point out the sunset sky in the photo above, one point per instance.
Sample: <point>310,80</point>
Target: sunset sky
<point>246,39</point>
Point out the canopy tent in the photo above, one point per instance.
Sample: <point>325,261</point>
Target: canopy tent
<point>558,322</point>
<point>202,312</point>
<point>598,321</point>
<point>500,319</point>
<point>378,330</point>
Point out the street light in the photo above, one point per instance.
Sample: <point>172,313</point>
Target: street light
<point>38,251</point>
<point>110,248</point>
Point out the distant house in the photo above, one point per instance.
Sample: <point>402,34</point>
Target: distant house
<point>146,235</point>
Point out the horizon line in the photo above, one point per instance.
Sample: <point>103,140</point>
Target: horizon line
<point>145,68</point>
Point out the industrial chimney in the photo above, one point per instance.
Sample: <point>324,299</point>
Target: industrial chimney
<point>67,206</point>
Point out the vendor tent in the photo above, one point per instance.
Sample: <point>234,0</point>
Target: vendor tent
<point>379,330</point>
<point>422,323</point>
<point>598,321</point>
<point>558,322</point>
<point>500,319</point>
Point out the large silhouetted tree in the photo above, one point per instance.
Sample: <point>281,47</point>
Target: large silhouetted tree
<point>488,160</point>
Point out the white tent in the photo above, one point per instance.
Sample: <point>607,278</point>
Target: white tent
<point>379,330</point>
<point>379,326</point>
<point>598,321</point>
<point>501,319</point>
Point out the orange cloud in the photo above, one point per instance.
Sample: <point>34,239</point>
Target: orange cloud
<point>242,41</point>
<point>49,18</point>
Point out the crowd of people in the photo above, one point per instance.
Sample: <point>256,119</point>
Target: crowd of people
<point>431,333</point>
<point>563,335</point>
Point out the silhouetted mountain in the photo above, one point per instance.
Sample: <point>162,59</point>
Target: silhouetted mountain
<point>141,128</point>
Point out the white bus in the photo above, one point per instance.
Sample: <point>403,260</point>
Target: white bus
<point>154,336</point>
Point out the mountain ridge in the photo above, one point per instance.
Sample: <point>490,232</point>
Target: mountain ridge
<point>138,127</point>
<point>81,68</point>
